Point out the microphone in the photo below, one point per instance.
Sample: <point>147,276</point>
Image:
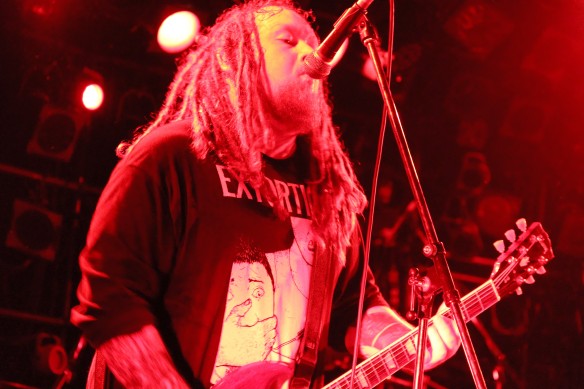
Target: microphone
<point>317,63</point>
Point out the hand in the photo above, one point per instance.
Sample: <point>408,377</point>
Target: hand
<point>444,340</point>
<point>382,326</point>
<point>140,360</point>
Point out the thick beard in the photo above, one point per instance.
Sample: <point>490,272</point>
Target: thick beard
<point>295,105</point>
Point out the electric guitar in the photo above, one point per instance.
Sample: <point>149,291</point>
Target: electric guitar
<point>518,264</point>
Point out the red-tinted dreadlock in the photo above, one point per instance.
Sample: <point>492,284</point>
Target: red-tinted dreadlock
<point>225,62</point>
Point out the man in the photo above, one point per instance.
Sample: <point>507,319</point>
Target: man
<point>243,150</point>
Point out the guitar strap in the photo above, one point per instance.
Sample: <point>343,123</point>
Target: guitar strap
<point>102,377</point>
<point>317,315</point>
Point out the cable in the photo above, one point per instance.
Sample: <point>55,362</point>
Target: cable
<point>375,179</point>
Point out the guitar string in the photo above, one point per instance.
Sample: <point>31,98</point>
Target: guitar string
<point>400,354</point>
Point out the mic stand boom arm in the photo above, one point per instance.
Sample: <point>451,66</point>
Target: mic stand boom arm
<point>434,249</point>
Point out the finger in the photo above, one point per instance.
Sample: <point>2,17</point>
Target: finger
<point>368,351</point>
<point>448,331</point>
<point>438,347</point>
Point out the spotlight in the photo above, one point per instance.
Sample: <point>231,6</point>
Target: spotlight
<point>526,119</point>
<point>92,97</point>
<point>474,175</point>
<point>89,89</point>
<point>480,26</point>
<point>571,235</point>
<point>134,107</point>
<point>496,211</point>
<point>34,230</point>
<point>49,356</point>
<point>178,31</point>
<point>57,132</point>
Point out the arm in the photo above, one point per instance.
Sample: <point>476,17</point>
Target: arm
<point>126,265</point>
<point>140,360</point>
<point>382,326</point>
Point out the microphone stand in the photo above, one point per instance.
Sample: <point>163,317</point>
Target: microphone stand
<point>434,249</point>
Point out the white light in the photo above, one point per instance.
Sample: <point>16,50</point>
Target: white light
<point>178,31</point>
<point>92,97</point>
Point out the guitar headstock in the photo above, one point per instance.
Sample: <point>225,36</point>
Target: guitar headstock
<point>525,257</point>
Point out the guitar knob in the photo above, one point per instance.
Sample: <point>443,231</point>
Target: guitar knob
<point>511,236</point>
<point>499,246</point>
<point>521,224</point>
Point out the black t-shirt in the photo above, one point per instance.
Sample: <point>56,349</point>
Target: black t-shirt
<point>164,238</point>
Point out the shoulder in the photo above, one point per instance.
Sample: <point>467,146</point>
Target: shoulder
<point>166,143</point>
<point>175,135</point>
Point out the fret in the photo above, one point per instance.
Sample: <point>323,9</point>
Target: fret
<point>361,379</point>
<point>480,302</point>
<point>401,351</point>
<point>487,296</point>
<point>384,370</point>
<point>465,313</point>
<point>372,375</point>
<point>411,346</point>
<point>390,362</point>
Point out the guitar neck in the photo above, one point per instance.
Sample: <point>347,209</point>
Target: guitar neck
<point>394,357</point>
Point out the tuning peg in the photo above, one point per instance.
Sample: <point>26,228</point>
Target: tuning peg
<point>542,260</point>
<point>521,224</point>
<point>524,262</point>
<point>540,270</point>
<point>519,291</point>
<point>510,235</point>
<point>530,280</point>
<point>499,246</point>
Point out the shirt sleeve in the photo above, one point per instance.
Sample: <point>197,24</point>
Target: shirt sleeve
<point>132,241</point>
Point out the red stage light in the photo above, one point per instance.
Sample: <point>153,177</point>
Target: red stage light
<point>178,31</point>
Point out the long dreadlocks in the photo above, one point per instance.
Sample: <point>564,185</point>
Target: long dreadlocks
<point>217,86</point>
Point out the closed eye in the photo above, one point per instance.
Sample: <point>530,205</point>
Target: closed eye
<point>291,41</point>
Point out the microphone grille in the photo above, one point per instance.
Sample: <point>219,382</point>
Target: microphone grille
<point>316,67</point>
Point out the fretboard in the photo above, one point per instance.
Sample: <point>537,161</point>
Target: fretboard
<point>394,357</point>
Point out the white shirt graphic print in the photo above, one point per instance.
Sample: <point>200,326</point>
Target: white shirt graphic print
<point>265,311</point>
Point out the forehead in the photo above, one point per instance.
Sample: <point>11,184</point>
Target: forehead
<point>272,20</point>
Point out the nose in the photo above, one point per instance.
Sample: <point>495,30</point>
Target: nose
<point>304,49</point>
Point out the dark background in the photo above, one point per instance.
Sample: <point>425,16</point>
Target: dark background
<point>490,94</point>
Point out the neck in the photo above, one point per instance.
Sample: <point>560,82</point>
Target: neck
<point>283,147</point>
